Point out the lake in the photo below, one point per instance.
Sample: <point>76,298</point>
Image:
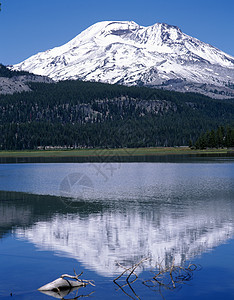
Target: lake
<point>94,217</point>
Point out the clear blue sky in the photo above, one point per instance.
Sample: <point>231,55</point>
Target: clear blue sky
<point>29,26</point>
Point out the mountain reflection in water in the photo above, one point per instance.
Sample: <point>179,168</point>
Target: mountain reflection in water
<point>99,234</point>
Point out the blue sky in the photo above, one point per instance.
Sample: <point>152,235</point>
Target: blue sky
<point>30,26</point>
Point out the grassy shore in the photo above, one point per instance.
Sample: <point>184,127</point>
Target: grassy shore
<point>123,152</point>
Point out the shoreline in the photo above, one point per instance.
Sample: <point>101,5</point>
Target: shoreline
<point>111,155</point>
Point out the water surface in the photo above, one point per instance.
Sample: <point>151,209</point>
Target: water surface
<point>89,216</point>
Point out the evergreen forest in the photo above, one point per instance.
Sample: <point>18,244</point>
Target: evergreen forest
<point>77,114</point>
<point>222,137</point>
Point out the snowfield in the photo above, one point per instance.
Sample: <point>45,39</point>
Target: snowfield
<point>130,54</point>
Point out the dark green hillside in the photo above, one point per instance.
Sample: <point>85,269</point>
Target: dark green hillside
<point>5,72</point>
<point>88,114</point>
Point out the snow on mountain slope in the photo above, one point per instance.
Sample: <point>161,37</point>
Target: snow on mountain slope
<point>126,53</point>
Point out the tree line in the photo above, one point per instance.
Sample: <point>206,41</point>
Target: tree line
<point>219,138</point>
<point>89,115</point>
<point>5,72</point>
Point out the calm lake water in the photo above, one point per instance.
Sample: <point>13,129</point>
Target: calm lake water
<point>91,216</point>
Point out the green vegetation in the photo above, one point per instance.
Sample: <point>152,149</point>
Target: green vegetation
<point>157,151</point>
<point>220,138</point>
<point>5,72</point>
<point>81,115</point>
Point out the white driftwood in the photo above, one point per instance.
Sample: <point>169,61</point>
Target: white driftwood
<point>62,284</point>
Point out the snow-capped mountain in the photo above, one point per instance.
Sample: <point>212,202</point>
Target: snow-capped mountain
<point>127,53</point>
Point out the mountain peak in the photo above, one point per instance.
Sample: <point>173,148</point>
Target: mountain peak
<point>127,53</point>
